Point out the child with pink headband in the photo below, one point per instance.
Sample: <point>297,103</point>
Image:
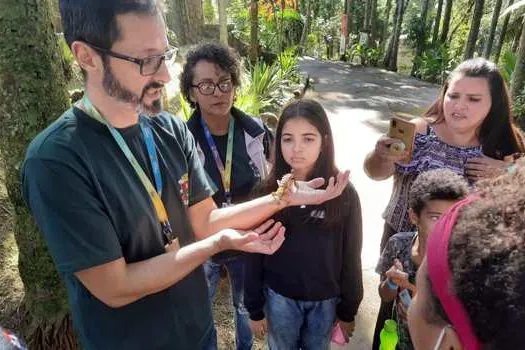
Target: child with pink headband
<point>471,286</point>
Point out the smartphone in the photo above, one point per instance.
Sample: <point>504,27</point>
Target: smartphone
<point>404,130</point>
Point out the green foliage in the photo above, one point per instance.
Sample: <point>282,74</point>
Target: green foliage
<point>66,51</point>
<point>239,14</point>
<point>507,64</point>
<point>265,81</point>
<point>435,64</point>
<point>288,64</point>
<point>172,37</point>
<point>177,105</point>
<point>417,29</point>
<point>209,11</point>
<point>368,55</point>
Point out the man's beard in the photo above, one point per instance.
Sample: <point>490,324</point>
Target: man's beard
<point>116,90</point>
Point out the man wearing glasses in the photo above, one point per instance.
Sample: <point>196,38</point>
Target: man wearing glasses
<point>118,191</point>
<point>223,133</point>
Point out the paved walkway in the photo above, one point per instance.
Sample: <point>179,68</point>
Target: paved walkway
<point>360,102</point>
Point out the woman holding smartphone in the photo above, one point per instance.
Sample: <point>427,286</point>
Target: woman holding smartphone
<point>468,130</point>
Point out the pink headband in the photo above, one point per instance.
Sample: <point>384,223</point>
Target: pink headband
<point>441,277</point>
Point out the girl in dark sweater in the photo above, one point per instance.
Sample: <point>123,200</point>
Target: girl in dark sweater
<point>314,281</point>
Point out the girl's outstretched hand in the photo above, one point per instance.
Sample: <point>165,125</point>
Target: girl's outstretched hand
<point>307,192</point>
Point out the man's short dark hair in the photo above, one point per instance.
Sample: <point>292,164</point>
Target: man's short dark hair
<point>94,21</point>
<point>225,57</point>
<point>439,184</point>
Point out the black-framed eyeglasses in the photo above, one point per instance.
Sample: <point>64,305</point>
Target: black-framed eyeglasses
<point>148,65</point>
<point>207,88</point>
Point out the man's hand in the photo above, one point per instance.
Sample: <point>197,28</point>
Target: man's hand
<point>306,193</point>
<point>259,328</point>
<point>347,328</point>
<point>265,239</point>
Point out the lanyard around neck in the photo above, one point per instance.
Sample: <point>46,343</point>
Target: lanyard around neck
<point>225,171</point>
<point>162,215</point>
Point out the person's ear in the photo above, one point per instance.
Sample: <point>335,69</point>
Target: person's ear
<point>414,218</point>
<point>88,58</point>
<point>451,341</point>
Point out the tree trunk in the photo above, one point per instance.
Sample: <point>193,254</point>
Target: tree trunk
<point>390,60</point>
<point>446,21</point>
<point>254,30</point>
<point>518,76</point>
<point>223,22</point>
<point>388,9</point>
<point>307,24</point>
<point>421,40</point>
<point>503,32</point>
<point>373,25</point>
<point>470,46</point>
<point>437,22</point>
<point>33,95</point>
<point>349,12</point>
<point>186,18</point>
<point>368,15</point>
<point>492,33</point>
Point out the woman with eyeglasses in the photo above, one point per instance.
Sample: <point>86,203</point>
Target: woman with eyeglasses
<point>471,285</point>
<point>234,149</point>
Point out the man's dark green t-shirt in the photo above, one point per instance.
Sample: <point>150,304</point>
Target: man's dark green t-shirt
<point>92,209</point>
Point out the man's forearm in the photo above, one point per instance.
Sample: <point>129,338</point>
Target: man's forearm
<point>158,273</point>
<point>246,215</point>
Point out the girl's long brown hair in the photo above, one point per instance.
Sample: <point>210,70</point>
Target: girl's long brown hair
<point>324,167</point>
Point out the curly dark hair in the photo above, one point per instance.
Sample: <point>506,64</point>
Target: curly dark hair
<point>487,261</point>
<point>435,184</point>
<point>225,57</point>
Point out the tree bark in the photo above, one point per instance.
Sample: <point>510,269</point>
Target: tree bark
<point>518,76</point>
<point>437,22</point>
<point>503,32</point>
<point>388,9</point>
<point>446,21</point>
<point>254,30</point>
<point>368,15</point>
<point>186,18</point>
<point>493,24</point>
<point>33,95</point>
<point>349,12</point>
<point>223,22</point>
<point>421,40</point>
<point>470,46</point>
<point>373,25</point>
<point>390,59</point>
<point>307,24</point>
